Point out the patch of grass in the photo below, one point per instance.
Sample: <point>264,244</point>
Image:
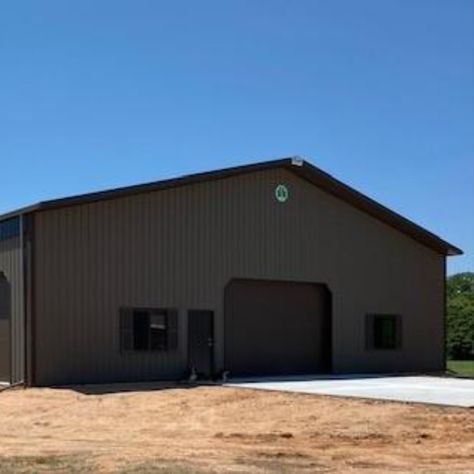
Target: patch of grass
<point>462,367</point>
<point>281,463</point>
<point>43,464</point>
<point>57,464</point>
<point>160,467</point>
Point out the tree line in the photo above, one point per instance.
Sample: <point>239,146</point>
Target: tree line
<point>460,316</point>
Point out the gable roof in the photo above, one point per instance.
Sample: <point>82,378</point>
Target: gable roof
<point>296,165</point>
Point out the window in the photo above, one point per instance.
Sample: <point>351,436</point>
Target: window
<point>9,228</point>
<point>144,329</point>
<point>383,331</point>
<point>5,297</point>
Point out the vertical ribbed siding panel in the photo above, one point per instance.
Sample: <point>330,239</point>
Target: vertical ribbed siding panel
<point>18,334</point>
<point>11,264</point>
<point>179,248</point>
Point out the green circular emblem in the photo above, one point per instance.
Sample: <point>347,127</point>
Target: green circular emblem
<point>281,193</point>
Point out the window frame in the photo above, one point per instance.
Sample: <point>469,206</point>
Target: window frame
<point>370,331</point>
<point>127,329</point>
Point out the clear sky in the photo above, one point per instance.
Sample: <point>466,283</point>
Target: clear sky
<point>104,93</point>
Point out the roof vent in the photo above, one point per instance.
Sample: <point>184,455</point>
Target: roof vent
<point>297,161</point>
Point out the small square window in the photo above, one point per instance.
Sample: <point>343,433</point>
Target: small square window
<point>383,331</point>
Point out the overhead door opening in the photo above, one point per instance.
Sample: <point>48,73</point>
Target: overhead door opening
<point>277,328</point>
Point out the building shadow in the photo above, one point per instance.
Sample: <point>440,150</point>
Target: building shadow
<point>128,387</point>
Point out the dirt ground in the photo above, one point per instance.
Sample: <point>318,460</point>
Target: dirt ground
<point>149,429</point>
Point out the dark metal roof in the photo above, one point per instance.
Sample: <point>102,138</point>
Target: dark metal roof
<point>302,168</point>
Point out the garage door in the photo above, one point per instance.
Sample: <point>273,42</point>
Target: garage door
<point>276,328</point>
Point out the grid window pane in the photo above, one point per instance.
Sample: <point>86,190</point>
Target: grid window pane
<point>140,330</point>
<point>158,331</point>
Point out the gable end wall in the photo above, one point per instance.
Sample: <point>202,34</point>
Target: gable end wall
<point>180,247</point>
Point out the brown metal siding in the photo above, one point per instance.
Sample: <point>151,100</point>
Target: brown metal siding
<point>11,264</point>
<point>5,350</point>
<point>180,247</point>
<point>5,304</point>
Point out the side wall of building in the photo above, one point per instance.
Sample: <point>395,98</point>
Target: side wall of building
<point>179,248</point>
<point>11,266</point>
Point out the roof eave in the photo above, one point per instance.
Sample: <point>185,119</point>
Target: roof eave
<point>20,211</point>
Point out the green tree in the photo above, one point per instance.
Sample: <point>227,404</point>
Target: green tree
<point>460,323</point>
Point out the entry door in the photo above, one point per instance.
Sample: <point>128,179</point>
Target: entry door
<point>201,341</point>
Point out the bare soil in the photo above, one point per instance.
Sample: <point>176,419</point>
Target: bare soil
<point>150,428</point>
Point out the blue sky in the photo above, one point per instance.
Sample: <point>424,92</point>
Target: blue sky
<point>102,93</point>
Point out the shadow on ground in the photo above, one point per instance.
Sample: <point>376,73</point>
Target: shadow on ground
<point>119,387</point>
<point>103,389</point>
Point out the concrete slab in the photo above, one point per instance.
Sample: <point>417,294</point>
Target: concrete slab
<point>419,389</point>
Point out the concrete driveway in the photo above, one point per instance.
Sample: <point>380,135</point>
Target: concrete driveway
<point>419,389</point>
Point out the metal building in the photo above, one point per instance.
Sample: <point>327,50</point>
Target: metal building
<point>270,268</point>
